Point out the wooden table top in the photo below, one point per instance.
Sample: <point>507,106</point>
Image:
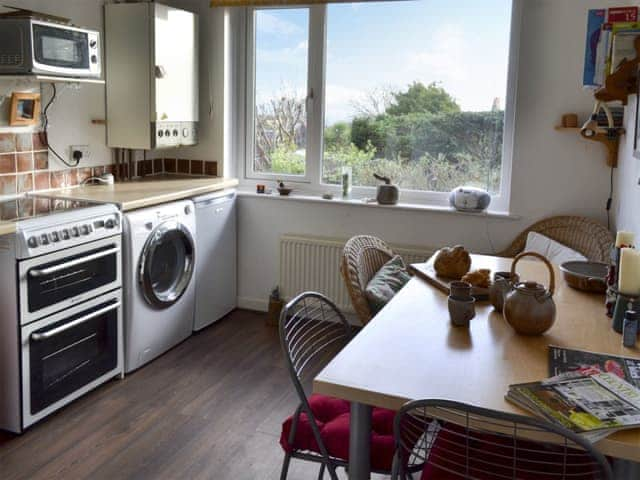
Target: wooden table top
<point>410,351</point>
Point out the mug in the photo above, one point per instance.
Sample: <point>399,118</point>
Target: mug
<point>461,311</point>
<point>460,290</point>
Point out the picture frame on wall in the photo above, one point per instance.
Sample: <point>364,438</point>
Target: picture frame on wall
<point>25,109</point>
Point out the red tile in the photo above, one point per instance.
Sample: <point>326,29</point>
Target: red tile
<point>23,142</point>
<point>57,179</point>
<point>39,140</point>
<point>170,165</point>
<point>183,166</point>
<point>197,167</point>
<point>8,163</point>
<point>7,184</point>
<point>83,174</point>
<point>41,160</point>
<point>157,166</point>
<point>7,142</point>
<point>211,168</point>
<point>71,176</point>
<point>24,183</point>
<point>97,171</point>
<point>25,161</point>
<point>41,181</point>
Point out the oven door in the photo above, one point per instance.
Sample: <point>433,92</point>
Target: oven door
<point>69,353</point>
<point>55,281</point>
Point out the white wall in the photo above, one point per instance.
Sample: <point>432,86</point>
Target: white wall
<point>553,172</point>
<point>627,199</point>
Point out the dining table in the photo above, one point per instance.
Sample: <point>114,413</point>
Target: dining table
<point>410,351</point>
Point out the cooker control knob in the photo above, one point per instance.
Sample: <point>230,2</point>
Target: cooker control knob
<point>32,242</point>
<point>75,232</point>
<point>44,239</point>
<point>65,234</point>
<point>110,223</point>
<point>185,132</point>
<point>54,237</point>
<point>84,229</point>
<point>94,59</point>
<point>93,44</point>
<point>160,133</point>
<point>187,210</point>
<point>175,132</point>
<point>167,133</point>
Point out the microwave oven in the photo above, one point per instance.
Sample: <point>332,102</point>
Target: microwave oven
<point>29,46</point>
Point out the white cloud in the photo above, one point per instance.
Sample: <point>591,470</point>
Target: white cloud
<point>270,23</point>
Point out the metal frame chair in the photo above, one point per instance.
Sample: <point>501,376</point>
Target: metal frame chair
<point>312,331</point>
<point>477,430</point>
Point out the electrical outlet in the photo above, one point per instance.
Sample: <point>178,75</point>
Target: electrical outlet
<point>79,150</point>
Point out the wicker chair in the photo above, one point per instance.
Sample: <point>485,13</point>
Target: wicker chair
<point>448,439</point>
<point>584,235</point>
<point>362,257</point>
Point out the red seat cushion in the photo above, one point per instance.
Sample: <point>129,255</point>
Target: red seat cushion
<point>490,457</point>
<point>332,417</point>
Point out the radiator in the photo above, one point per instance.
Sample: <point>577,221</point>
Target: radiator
<point>313,264</point>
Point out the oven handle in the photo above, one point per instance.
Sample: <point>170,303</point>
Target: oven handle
<point>40,272</point>
<point>36,337</point>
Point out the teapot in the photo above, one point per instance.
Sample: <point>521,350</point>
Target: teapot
<point>529,307</point>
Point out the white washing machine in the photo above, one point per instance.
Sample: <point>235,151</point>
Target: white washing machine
<point>159,281</point>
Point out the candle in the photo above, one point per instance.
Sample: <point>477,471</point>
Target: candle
<point>629,279</point>
<point>625,239</point>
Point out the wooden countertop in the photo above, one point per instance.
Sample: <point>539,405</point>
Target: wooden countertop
<point>147,192</point>
<point>410,351</point>
<point>138,193</point>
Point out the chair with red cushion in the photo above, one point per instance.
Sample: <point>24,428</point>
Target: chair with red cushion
<point>312,331</point>
<point>454,441</point>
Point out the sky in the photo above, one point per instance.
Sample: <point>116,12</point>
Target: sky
<point>462,45</point>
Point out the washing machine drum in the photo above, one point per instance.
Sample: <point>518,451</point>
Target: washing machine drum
<point>166,264</point>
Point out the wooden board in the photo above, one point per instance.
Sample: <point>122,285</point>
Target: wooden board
<point>426,272</point>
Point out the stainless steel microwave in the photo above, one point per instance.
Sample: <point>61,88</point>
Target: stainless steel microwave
<point>30,46</point>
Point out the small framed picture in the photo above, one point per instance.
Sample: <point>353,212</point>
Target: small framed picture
<point>25,109</point>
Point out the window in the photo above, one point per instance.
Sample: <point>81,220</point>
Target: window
<point>412,90</point>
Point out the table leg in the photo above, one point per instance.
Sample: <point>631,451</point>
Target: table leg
<point>360,442</point>
<point>625,469</point>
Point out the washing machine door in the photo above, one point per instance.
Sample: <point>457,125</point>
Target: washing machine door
<point>166,264</point>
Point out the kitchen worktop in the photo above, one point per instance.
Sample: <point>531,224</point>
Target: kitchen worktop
<point>139,193</point>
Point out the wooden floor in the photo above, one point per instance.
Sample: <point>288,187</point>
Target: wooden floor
<point>211,408</point>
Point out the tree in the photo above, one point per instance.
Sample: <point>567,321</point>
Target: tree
<point>374,102</point>
<point>421,99</point>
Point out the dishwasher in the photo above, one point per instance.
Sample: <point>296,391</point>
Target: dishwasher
<point>216,262</point>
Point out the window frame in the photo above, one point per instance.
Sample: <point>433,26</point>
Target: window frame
<point>311,182</point>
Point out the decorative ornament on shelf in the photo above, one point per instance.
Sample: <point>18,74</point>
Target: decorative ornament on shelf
<point>609,136</point>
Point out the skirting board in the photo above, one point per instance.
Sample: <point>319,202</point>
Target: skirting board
<point>256,304</point>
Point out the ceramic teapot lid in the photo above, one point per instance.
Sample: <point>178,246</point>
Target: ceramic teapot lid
<point>531,288</point>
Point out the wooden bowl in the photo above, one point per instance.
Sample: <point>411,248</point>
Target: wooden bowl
<point>284,191</point>
<point>586,276</point>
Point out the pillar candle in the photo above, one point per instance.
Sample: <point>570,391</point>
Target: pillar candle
<point>625,239</point>
<point>629,279</point>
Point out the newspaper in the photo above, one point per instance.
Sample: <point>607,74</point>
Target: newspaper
<point>563,360</point>
<point>594,405</point>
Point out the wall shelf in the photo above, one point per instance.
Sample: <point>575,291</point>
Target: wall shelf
<point>52,79</point>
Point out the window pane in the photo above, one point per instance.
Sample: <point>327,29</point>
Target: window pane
<point>281,37</point>
<point>415,91</point>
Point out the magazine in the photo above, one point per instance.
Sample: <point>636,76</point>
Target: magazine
<point>563,360</point>
<point>593,406</point>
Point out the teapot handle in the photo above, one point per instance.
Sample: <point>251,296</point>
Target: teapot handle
<point>552,277</point>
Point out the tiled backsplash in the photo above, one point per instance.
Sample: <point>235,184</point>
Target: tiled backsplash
<point>24,166</point>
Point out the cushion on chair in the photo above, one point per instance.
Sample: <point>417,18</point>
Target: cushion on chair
<point>332,417</point>
<point>554,251</point>
<point>491,457</point>
<point>386,283</point>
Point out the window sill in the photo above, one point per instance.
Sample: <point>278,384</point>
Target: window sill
<point>361,202</point>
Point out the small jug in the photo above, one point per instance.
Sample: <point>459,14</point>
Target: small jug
<point>501,285</point>
<point>529,307</point>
